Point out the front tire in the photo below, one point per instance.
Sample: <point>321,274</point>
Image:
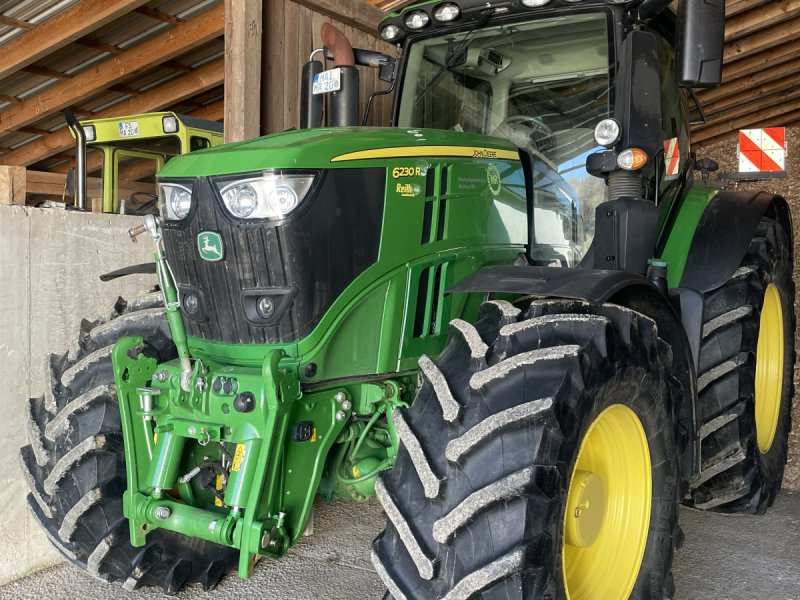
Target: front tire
<point>524,421</point>
<point>745,379</point>
<point>74,463</point>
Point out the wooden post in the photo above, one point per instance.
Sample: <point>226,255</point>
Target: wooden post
<point>12,185</point>
<point>242,69</point>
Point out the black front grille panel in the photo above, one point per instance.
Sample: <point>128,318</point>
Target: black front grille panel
<point>317,255</point>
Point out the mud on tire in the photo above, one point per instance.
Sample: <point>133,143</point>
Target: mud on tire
<point>75,464</point>
<point>735,475</point>
<point>476,499</point>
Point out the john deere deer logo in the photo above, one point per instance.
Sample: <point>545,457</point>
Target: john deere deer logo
<point>209,244</point>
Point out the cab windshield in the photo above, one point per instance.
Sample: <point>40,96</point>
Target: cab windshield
<point>541,84</point>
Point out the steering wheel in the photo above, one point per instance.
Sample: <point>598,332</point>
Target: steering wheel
<point>148,202</point>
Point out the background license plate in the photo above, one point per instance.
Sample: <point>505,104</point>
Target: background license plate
<point>128,128</point>
<point>327,81</point>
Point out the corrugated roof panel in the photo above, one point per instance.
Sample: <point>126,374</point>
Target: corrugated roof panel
<point>30,11</point>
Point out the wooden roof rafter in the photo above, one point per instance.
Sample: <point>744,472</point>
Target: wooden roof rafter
<point>162,47</point>
<point>60,30</point>
<point>158,98</point>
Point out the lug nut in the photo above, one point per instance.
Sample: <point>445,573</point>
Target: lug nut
<point>340,397</point>
<point>347,405</point>
<point>340,415</point>
<point>163,513</point>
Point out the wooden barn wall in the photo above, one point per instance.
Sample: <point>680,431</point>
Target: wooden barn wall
<point>291,33</point>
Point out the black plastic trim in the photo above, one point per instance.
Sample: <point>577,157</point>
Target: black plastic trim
<point>148,268</point>
<point>284,296</point>
<point>593,285</point>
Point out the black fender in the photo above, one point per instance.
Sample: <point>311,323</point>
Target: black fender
<point>724,233</point>
<point>630,290</point>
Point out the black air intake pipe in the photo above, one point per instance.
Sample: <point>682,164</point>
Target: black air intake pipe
<point>310,103</point>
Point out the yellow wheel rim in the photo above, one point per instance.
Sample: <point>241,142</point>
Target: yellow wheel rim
<point>608,508</point>
<point>769,369</point>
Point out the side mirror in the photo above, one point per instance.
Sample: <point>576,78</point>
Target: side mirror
<point>700,39</point>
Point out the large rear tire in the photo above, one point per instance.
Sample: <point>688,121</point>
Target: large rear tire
<point>539,460</point>
<point>745,379</point>
<point>75,463</point>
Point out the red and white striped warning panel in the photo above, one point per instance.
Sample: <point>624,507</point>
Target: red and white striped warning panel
<point>762,149</point>
<point>672,157</point>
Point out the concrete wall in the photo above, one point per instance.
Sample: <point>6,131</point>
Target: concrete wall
<point>789,187</point>
<point>49,263</point>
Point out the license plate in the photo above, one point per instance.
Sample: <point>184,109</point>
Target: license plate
<point>128,128</point>
<point>327,81</point>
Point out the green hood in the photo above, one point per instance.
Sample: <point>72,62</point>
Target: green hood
<point>334,147</point>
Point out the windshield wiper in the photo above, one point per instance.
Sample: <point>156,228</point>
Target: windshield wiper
<point>462,47</point>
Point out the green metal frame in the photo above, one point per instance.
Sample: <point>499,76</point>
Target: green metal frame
<point>107,140</point>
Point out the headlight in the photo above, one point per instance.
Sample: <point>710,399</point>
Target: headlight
<point>271,195</point>
<point>391,33</point>
<point>446,12</point>
<point>607,132</point>
<point>175,200</point>
<point>417,19</point>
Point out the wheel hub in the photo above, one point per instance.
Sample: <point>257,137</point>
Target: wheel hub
<point>769,369</point>
<point>607,513</point>
<point>586,510</point>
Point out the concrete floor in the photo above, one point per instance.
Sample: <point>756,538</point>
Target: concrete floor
<point>725,557</point>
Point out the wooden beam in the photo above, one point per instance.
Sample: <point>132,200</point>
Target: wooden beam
<point>242,69</point>
<point>18,23</point>
<point>45,72</point>
<point>12,186</point>
<point>159,15</point>
<point>767,59</point>
<point>750,94</point>
<point>212,112</point>
<point>747,108</point>
<point>762,40</point>
<point>89,43</point>
<point>784,120</point>
<point>272,70</point>
<point>734,7</point>
<point>60,30</point>
<point>86,84</point>
<point>749,118</point>
<point>157,98</point>
<point>355,13</point>
<point>52,184</point>
<point>754,80</point>
<point>773,13</point>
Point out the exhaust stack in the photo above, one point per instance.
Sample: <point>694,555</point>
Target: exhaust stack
<point>344,102</point>
<point>80,159</point>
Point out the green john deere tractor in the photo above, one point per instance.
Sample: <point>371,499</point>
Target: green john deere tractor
<point>512,317</point>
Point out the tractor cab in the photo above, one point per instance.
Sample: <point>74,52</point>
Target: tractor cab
<point>123,154</point>
<point>591,93</point>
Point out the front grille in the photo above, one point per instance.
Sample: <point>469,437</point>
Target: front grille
<point>319,253</point>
